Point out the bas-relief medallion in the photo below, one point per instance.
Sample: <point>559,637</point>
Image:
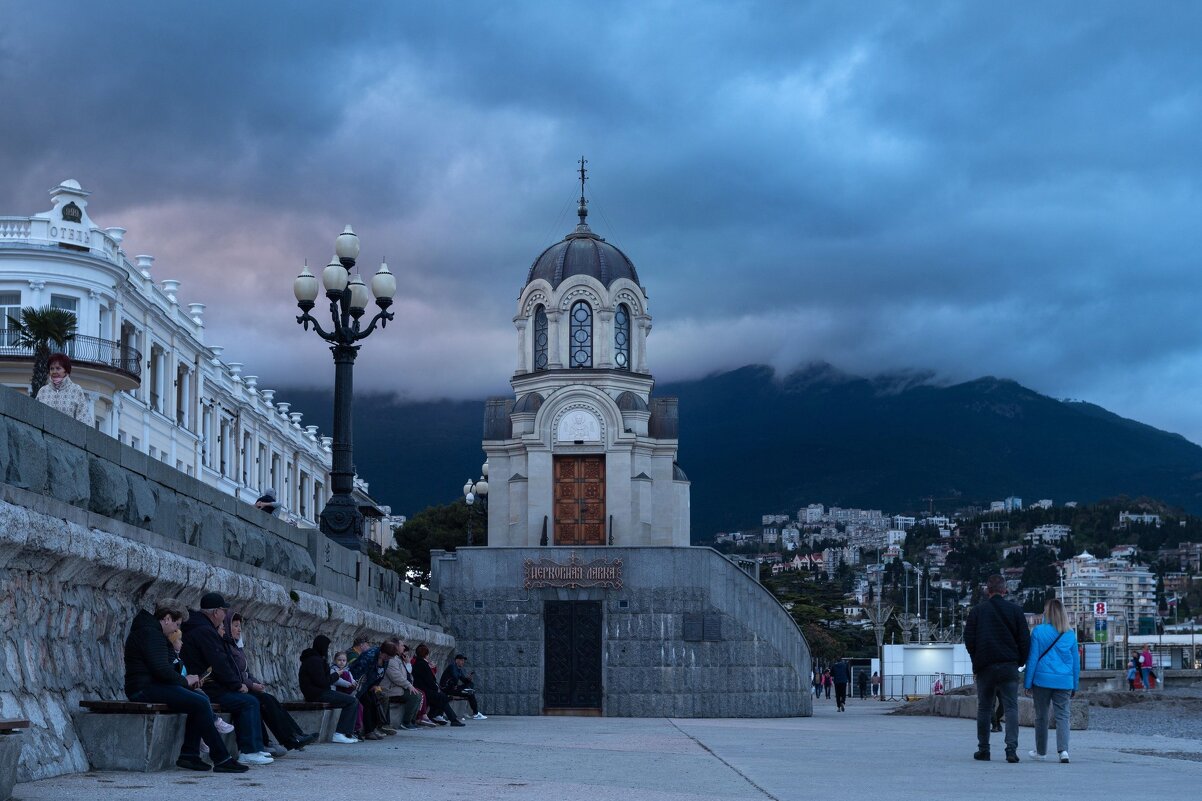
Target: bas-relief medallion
<point>579,425</point>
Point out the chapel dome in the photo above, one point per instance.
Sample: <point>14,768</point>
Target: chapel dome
<point>582,252</point>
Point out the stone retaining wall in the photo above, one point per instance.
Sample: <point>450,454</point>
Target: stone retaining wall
<point>91,531</point>
<point>965,706</point>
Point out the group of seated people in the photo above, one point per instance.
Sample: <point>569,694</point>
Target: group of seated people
<point>191,661</point>
<point>367,680</point>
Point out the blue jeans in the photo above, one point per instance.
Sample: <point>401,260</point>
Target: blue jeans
<point>248,725</point>
<point>1045,696</point>
<point>1145,674</point>
<point>997,681</point>
<point>348,710</point>
<point>199,721</point>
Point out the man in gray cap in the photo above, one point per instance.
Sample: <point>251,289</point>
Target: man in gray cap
<point>206,654</point>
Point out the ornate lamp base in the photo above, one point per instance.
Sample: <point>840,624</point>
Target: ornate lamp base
<point>342,522</point>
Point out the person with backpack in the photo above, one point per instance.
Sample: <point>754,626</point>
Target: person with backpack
<point>1053,675</point>
<point>997,641</point>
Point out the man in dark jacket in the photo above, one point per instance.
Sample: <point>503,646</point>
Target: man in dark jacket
<point>457,683</point>
<point>150,678</point>
<point>315,680</point>
<point>997,640</point>
<point>369,671</point>
<point>841,675</point>
<point>206,654</point>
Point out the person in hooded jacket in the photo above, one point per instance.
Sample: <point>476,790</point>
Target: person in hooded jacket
<point>398,685</point>
<point>151,677</point>
<point>314,678</point>
<point>275,717</point>
<point>1053,674</point>
<point>206,654</point>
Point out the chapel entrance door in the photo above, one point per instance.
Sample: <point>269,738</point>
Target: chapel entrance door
<point>579,500</point>
<point>572,657</point>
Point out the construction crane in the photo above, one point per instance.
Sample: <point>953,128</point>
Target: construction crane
<point>930,499</point>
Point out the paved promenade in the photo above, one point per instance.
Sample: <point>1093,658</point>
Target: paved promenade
<point>858,754</point>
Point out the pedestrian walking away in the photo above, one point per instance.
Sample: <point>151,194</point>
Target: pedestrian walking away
<point>841,676</point>
<point>1052,676</point>
<point>997,641</point>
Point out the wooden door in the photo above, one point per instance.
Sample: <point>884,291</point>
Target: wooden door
<point>579,500</point>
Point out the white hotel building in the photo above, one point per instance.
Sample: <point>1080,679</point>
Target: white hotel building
<point>141,358</point>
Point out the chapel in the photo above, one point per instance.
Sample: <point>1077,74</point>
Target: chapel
<point>583,454</point>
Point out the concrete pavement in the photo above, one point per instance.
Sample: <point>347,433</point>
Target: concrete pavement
<point>856,754</point>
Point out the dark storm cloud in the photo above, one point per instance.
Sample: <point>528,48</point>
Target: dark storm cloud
<point>971,188</point>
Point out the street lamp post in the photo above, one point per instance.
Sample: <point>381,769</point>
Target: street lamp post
<point>473,491</point>
<point>341,519</point>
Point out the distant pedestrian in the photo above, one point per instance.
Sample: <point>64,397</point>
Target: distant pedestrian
<point>997,641</point>
<point>876,684</point>
<point>1132,671</point>
<point>1145,667</point>
<point>862,685</point>
<point>827,683</point>
<point>817,682</point>
<point>1052,676</point>
<point>841,676</point>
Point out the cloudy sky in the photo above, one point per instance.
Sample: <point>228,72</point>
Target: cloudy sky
<point>967,188</point>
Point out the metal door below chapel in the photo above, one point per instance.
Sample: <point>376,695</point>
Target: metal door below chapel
<point>572,655</point>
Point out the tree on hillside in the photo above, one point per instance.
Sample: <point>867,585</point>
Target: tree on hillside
<point>1039,571</point>
<point>433,528</point>
<point>39,329</point>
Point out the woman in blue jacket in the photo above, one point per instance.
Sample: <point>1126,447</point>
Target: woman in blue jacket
<point>1053,670</point>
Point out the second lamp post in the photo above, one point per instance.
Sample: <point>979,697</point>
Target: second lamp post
<point>341,519</point>
<point>473,491</point>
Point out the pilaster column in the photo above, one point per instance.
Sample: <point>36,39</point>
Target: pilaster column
<point>603,338</point>
<point>557,340</point>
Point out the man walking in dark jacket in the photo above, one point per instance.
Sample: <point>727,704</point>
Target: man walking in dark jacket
<point>151,678</point>
<point>997,640</point>
<point>841,675</point>
<point>206,654</point>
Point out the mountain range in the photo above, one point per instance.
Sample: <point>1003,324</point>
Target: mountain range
<point>754,443</point>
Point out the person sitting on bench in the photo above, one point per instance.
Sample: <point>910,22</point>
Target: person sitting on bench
<point>398,686</point>
<point>315,680</point>
<point>457,683</point>
<point>423,679</point>
<point>275,717</point>
<point>206,654</point>
<point>369,670</point>
<point>151,678</point>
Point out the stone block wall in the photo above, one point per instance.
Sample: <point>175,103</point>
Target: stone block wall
<point>759,666</point>
<point>91,531</point>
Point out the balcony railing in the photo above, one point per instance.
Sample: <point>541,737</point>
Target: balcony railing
<point>91,351</point>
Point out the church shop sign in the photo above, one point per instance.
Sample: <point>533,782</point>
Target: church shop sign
<point>549,573</point>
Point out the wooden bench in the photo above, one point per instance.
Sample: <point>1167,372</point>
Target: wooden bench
<point>314,716</point>
<point>11,726</point>
<point>129,735</point>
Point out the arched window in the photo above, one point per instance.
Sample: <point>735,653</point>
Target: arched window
<point>540,338</point>
<point>622,337</point>
<point>581,335</point>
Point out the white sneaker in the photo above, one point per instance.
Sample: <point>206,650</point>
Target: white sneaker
<point>255,759</point>
<point>1037,756</point>
<point>222,726</point>
<point>1064,757</point>
<point>479,716</point>
<point>339,737</point>
<point>439,719</point>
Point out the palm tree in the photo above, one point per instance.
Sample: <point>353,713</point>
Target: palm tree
<point>39,329</point>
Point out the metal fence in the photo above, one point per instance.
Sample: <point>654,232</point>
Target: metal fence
<point>910,685</point>
<point>81,349</point>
